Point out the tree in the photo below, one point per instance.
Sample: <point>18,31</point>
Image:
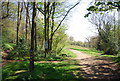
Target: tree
<point>50,14</point>
<point>27,18</point>
<point>19,16</point>
<point>8,11</point>
<point>103,6</point>
<point>107,32</point>
<point>32,38</point>
<point>5,14</point>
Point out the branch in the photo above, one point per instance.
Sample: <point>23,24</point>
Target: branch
<point>6,16</point>
<point>40,10</point>
<point>65,16</point>
<point>53,12</point>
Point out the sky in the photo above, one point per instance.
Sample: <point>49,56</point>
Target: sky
<point>78,26</point>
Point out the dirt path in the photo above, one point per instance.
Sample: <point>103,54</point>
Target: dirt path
<point>97,68</point>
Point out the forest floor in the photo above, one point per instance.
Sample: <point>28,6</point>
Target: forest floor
<point>90,67</point>
<point>97,67</point>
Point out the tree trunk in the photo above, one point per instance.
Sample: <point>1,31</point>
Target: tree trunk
<point>18,23</point>
<point>98,44</point>
<point>27,13</point>
<point>32,39</point>
<point>50,45</point>
<point>35,37</point>
<point>45,21</point>
<point>118,33</point>
<point>48,19</point>
<point>51,38</point>
<point>19,20</point>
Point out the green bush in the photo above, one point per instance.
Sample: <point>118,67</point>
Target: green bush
<point>117,60</point>
<point>7,46</point>
<point>20,51</point>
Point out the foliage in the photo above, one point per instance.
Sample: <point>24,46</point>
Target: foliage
<point>63,55</point>
<point>110,39</point>
<point>103,6</point>
<point>117,60</point>
<point>20,51</point>
<point>62,71</point>
<point>8,32</point>
<point>68,53</point>
<point>59,40</point>
<point>107,27</point>
<point>8,46</point>
<point>8,11</point>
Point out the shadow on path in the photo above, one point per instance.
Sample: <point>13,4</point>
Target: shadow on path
<point>97,68</point>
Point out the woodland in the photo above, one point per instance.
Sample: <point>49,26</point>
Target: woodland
<point>34,45</point>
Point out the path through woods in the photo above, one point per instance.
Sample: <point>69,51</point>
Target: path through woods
<point>97,68</point>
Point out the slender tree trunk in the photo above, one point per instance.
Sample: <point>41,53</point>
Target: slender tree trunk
<point>35,37</point>
<point>114,25</point>
<point>18,23</point>
<point>48,15</point>
<point>119,29</point>
<point>27,13</point>
<point>51,38</point>
<point>45,21</point>
<point>26,27</point>
<point>19,19</point>
<point>32,38</point>
<point>98,43</point>
<point>50,46</point>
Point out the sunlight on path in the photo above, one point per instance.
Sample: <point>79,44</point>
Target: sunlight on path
<point>96,68</point>
<point>80,55</point>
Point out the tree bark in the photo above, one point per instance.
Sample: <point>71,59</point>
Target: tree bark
<point>35,37</point>
<point>18,23</point>
<point>19,19</point>
<point>27,13</point>
<point>45,21</point>
<point>48,16</point>
<point>32,39</point>
<point>53,12</point>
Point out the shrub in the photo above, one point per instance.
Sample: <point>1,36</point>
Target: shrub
<point>21,50</point>
<point>7,46</point>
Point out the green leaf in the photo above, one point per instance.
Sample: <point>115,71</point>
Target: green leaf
<point>91,8</point>
<point>98,3</point>
<point>87,14</point>
<point>109,3</point>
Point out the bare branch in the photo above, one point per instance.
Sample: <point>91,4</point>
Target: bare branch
<point>65,17</point>
<point>40,10</point>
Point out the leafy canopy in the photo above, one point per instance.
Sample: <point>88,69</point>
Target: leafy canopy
<point>102,6</point>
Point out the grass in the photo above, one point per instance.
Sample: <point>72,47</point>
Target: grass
<point>75,46</point>
<point>63,71</point>
<point>69,54</point>
<point>65,54</point>
<point>93,52</point>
